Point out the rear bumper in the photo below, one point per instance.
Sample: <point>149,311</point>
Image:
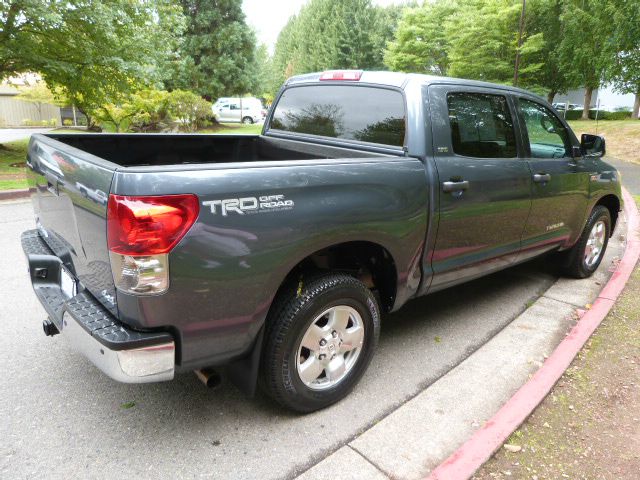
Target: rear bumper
<point>124,354</point>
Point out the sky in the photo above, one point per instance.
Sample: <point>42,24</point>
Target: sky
<point>268,17</point>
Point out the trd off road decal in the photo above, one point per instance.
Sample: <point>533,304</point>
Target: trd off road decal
<point>249,205</point>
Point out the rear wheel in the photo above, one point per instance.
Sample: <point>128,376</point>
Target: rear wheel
<point>319,342</point>
<point>247,120</point>
<point>585,256</point>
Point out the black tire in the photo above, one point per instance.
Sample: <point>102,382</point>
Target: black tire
<point>295,311</point>
<point>247,120</point>
<point>573,263</point>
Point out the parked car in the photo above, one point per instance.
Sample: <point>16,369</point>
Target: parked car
<point>563,105</point>
<point>273,256</point>
<point>246,110</point>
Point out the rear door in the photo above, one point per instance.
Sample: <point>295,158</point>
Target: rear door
<point>484,188</point>
<point>560,181</point>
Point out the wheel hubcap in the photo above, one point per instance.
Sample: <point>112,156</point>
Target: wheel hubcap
<point>595,244</point>
<point>330,347</point>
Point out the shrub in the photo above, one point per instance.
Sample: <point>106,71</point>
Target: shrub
<point>53,122</point>
<point>152,111</point>
<point>67,122</point>
<point>189,109</point>
<point>602,115</point>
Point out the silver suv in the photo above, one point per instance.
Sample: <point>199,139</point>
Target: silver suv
<point>246,110</point>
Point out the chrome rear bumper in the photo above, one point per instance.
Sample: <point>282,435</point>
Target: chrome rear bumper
<point>153,363</point>
<point>124,354</point>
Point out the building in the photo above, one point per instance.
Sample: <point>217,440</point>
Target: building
<point>605,98</point>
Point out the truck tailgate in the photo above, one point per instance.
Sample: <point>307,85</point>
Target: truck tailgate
<point>70,189</point>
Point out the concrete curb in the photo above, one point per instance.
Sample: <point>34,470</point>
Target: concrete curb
<point>464,462</point>
<point>13,194</point>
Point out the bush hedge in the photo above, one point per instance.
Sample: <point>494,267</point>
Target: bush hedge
<point>602,115</point>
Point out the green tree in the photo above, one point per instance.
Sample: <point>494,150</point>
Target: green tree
<point>421,44</point>
<point>94,51</point>
<point>262,73</point>
<point>554,76</point>
<point>329,34</point>
<point>483,42</point>
<point>117,115</point>
<point>624,70</point>
<point>583,49</point>
<point>216,57</point>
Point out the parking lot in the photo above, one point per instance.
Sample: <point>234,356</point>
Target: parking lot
<point>64,418</point>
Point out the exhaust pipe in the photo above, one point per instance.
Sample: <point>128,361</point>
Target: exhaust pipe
<point>49,328</point>
<point>209,377</point>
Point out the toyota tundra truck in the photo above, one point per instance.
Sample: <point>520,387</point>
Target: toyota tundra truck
<point>271,258</point>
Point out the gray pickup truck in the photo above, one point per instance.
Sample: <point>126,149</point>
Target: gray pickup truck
<point>270,258</point>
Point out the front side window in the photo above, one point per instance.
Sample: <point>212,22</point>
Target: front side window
<point>481,125</point>
<point>547,136</point>
<point>366,114</point>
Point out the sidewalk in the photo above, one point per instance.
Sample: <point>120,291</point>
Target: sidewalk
<point>589,426</point>
<point>12,134</point>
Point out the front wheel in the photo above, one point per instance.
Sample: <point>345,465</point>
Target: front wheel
<point>319,342</point>
<point>247,120</point>
<point>585,256</point>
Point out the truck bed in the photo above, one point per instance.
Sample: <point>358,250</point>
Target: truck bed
<point>129,150</point>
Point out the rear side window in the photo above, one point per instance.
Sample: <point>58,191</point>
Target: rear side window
<point>366,114</point>
<point>481,125</point>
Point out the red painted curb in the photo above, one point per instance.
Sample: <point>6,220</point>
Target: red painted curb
<point>13,194</point>
<point>464,462</point>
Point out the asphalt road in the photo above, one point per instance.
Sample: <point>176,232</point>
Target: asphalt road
<point>630,174</point>
<point>11,134</point>
<point>62,418</point>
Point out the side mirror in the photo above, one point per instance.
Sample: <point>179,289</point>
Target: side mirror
<point>592,145</point>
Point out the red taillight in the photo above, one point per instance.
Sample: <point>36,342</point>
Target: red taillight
<point>342,75</point>
<point>149,225</point>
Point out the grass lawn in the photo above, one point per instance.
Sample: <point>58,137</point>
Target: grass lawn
<point>623,136</point>
<point>233,128</point>
<point>12,158</point>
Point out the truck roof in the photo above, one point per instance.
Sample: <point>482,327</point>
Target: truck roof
<point>398,79</point>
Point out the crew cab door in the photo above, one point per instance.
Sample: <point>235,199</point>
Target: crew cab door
<point>484,189</point>
<point>560,189</point>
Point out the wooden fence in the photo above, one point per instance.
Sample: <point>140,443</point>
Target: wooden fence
<point>16,113</point>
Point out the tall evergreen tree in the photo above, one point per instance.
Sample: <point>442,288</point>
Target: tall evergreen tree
<point>216,57</point>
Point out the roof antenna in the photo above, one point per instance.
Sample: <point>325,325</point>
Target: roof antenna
<point>597,110</point>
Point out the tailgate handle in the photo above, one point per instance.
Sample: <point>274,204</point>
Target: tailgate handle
<point>541,177</point>
<point>53,187</point>
<point>455,186</point>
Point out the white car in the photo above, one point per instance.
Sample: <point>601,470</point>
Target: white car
<point>235,110</point>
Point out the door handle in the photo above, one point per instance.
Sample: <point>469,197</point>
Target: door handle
<point>541,177</point>
<point>455,186</point>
